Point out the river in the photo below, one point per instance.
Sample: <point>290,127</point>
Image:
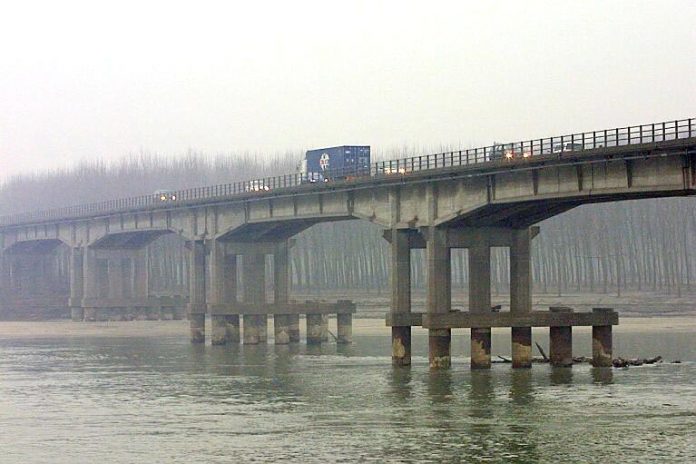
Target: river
<point>140,393</point>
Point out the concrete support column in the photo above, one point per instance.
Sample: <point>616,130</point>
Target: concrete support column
<point>314,329</point>
<point>602,355</point>
<point>561,342</point>
<point>324,328</point>
<point>344,327</point>
<point>294,327</point>
<point>141,267</point>
<point>521,347</point>
<point>77,312</point>
<point>281,295</point>
<point>90,290</point>
<point>401,295</point>
<point>218,294</point>
<point>439,295</point>
<point>521,295</point>
<point>480,302</point>
<point>230,297</point>
<point>197,298</point>
<point>254,279</point>
<point>218,328</point>
<point>115,273</point>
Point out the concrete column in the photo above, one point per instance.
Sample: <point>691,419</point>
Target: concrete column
<point>197,298</point>
<point>115,273</point>
<point>314,329</point>
<point>324,328</point>
<point>401,295</point>
<point>439,295</point>
<point>294,328</point>
<point>230,297</point>
<point>602,355</point>
<point>561,342</point>
<point>77,313</point>
<point>90,290</point>
<point>480,302</point>
<point>521,295</point>
<point>254,280</point>
<point>232,328</point>
<point>217,292</point>
<point>344,327</point>
<point>141,266</point>
<point>281,295</point>
<point>521,347</point>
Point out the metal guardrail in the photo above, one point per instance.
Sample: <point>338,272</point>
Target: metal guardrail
<point>623,136</point>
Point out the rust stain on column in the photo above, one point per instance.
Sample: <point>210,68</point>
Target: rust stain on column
<point>521,347</point>
<point>601,346</point>
<point>480,348</point>
<point>439,341</point>
<point>401,346</point>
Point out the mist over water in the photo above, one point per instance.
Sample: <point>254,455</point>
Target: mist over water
<point>161,399</point>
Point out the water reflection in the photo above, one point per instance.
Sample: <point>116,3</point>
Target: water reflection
<point>561,375</point>
<point>603,375</point>
<point>440,385</point>
<point>521,390</point>
<point>400,382</point>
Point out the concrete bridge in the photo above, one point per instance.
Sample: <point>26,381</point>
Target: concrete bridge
<point>474,199</point>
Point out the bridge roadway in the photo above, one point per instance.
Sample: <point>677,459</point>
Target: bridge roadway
<point>473,199</point>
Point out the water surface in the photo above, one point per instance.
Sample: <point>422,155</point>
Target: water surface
<point>160,399</point>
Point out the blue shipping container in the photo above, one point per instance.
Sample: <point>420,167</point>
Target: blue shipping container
<point>335,163</point>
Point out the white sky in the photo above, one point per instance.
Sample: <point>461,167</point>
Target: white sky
<point>87,80</point>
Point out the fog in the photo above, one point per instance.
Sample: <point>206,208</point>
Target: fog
<point>91,81</point>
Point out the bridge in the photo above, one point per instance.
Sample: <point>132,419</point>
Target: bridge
<point>475,199</point>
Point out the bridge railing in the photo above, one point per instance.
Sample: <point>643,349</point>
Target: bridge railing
<point>504,152</point>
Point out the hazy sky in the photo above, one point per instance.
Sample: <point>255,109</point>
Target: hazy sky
<point>88,80</point>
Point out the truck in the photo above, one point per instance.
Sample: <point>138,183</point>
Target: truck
<point>335,163</point>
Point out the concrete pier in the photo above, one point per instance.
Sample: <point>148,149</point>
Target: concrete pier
<point>197,327</point>
<point>401,295</point>
<point>480,302</point>
<point>521,295</point>
<point>254,281</point>
<point>439,295</point>
<point>480,348</point>
<point>314,329</point>
<point>602,341</point>
<point>294,327</point>
<point>281,329</point>
<point>252,329</point>
<point>324,328</point>
<point>521,347</point>
<point>197,294</point>
<point>561,341</point>
<point>344,327</point>
<point>218,326</point>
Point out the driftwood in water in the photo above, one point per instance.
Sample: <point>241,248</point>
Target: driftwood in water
<point>504,359</point>
<point>541,350</point>
<point>621,362</point>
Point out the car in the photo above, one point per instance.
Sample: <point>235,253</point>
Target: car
<point>256,186</point>
<point>165,195</point>
<point>566,147</point>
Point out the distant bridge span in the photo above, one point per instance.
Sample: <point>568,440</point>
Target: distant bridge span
<point>473,199</point>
